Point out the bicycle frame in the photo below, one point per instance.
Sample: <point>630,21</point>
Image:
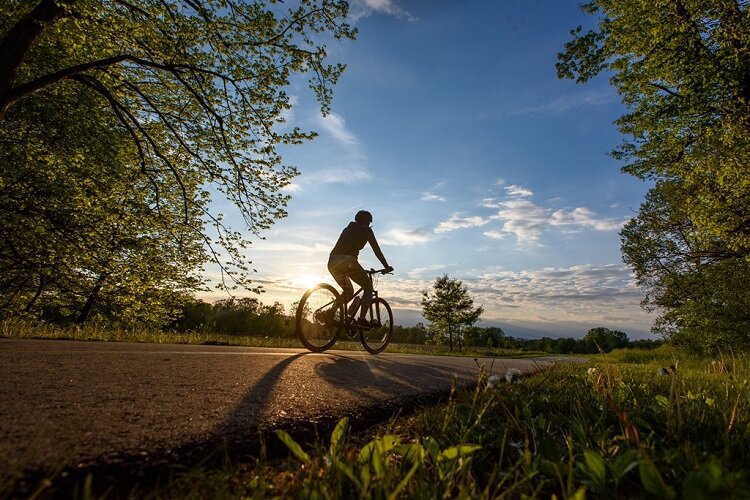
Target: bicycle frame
<point>360,291</point>
<point>333,315</point>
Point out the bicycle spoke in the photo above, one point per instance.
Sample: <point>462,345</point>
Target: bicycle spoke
<point>376,337</point>
<point>319,318</point>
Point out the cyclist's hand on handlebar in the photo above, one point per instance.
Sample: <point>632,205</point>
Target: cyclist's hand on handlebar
<point>388,270</point>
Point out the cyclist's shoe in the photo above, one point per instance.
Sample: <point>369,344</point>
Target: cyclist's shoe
<point>326,317</point>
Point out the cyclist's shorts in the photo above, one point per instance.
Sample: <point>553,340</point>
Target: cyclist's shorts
<point>342,267</point>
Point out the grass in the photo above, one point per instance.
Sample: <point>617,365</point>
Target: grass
<point>629,424</point>
<point>15,328</point>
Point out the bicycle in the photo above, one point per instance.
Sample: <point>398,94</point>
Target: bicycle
<point>322,315</point>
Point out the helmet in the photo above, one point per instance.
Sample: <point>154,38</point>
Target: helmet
<point>364,217</point>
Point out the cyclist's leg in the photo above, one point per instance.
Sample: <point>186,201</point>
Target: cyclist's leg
<point>340,266</point>
<point>360,277</point>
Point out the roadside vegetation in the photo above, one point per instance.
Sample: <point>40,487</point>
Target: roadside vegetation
<point>251,324</point>
<point>629,424</point>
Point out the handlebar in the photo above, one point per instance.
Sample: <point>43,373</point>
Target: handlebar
<point>379,271</point>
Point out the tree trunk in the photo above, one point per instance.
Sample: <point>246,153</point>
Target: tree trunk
<point>89,305</point>
<point>39,291</point>
<point>18,41</point>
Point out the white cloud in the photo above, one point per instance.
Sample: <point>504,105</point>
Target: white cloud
<point>405,237</point>
<point>522,192</point>
<point>592,293</point>
<point>565,103</point>
<point>426,271</point>
<point>336,175</point>
<point>287,115</point>
<point>586,295</point>
<point>584,217</point>
<point>364,8</point>
<point>495,235</point>
<point>458,222</point>
<point>527,221</point>
<point>523,219</point>
<point>335,125</point>
<point>305,249</point>
<point>490,203</point>
<point>427,196</point>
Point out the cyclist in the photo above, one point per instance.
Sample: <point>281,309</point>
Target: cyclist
<point>343,263</point>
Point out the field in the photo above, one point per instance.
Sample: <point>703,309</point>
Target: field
<point>629,424</point>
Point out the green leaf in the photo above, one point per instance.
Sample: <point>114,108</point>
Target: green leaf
<point>412,452</point>
<point>432,447</point>
<point>293,446</point>
<point>461,450</point>
<point>402,484</point>
<point>338,436</point>
<point>347,470</point>
<point>595,467</point>
<point>652,480</point>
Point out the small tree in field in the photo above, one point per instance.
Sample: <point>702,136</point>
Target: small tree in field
<point>604,339</point>
<point>449,309</point>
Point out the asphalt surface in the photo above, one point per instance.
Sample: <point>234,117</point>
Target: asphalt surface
<point>76,404</point>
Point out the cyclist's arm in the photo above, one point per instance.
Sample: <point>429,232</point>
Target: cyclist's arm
<point>376,249</point>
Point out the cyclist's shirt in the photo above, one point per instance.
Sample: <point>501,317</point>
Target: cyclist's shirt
<point>353,238</point>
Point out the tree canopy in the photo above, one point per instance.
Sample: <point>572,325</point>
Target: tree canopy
<point>682,68</point>
<point>449,309</point>
<point>603,339</point>
<point>77,225</point>
<point>120,119</point>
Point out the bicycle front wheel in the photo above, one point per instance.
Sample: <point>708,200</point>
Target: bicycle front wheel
<point>376,337</point>
<point>320,318</point>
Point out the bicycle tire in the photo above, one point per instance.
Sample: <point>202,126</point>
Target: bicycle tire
<point>376,339</point>
<point>319,318</point>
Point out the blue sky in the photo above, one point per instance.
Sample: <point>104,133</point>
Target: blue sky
<point>451,126</point>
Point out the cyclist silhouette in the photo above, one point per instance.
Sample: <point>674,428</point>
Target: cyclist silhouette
<point>344,266</point>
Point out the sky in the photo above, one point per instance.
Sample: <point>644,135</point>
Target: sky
<point>451,127</point>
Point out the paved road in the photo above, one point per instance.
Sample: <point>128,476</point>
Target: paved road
<point>77,403</point>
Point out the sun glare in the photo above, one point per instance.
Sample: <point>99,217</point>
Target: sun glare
<point>308,280</point>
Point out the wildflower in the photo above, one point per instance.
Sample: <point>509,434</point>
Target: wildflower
<point>494,380</point>
<point>512,374</point>
<point>592,371</point>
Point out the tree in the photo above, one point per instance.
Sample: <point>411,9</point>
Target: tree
<point>698,288</point>
<point>491,336</point>
<point>197,90</point>
<point>604,339</point>
<point>449,309</point>
<point>80,236</point>
<point>682,68</point>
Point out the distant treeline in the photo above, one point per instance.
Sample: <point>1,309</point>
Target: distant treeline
<point>241,316</point>
<point>248,316</point>
<point>596,340</point>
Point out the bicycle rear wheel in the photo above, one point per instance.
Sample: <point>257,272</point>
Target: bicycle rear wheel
<point>319,318</point>
<point>380,317</point>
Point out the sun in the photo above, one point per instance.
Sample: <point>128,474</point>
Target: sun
<point>308,280</point>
